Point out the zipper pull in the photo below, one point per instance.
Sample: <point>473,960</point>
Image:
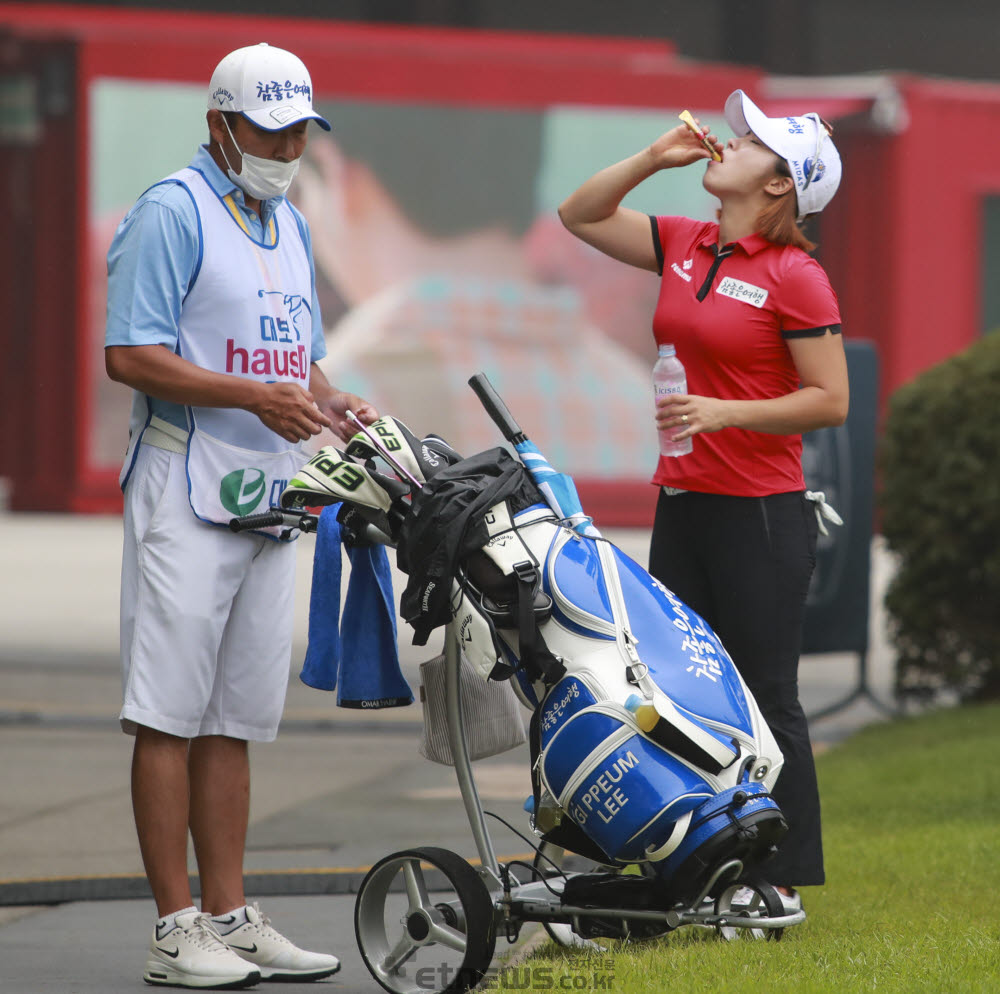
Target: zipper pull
<point>637,671</point>
<point>630,644</point>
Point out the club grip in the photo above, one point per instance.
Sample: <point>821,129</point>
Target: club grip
<point>253,521</point>
<point>496,408</point>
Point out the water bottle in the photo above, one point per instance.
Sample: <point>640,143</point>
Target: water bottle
<point>646,716</point>
<point>668,377</point>
<point>651,722</point>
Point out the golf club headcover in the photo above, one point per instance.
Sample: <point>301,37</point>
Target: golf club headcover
<point>331,477</point>
<point>436,454</point>
<point>397,441</point>
<point>477,637</point>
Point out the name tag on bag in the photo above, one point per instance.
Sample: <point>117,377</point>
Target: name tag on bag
<point>738,290</point>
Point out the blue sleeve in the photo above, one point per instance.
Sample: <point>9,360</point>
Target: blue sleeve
<point>318,338</point>
<point>152,264</point>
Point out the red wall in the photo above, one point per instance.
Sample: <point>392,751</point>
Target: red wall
<point>900,241</point>
<point>43,399</point>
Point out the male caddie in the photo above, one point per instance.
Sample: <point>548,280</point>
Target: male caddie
<point>213,321</point>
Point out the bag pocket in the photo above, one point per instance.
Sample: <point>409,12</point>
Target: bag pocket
<point>622,789</point>
<point>569,696</point>
<point>491,714</point>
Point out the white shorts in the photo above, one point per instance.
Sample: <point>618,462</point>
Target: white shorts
<point>206,614</point>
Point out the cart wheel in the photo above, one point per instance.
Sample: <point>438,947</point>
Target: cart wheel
<point>750,901</point>
<point>413,943</point>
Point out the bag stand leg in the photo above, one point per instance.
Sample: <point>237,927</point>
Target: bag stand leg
<point>460,754</point>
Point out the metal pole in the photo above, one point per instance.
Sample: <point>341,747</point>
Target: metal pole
<point>460,754</point>
<point>861,690</point>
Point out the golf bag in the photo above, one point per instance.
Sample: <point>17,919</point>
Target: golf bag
<point>646,742</point>
<point>647,746</point>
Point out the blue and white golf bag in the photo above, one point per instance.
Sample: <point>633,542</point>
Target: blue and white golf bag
<point>685,797</point>
<point>647,746</point>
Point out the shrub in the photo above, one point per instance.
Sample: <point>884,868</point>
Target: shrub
<point>940,506</point>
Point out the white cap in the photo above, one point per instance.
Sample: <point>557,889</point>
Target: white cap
<point>269,86</point>
<point>803,142</point>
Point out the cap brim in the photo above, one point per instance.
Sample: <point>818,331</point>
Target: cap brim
<point>743,116</point>
<point>283,116</point>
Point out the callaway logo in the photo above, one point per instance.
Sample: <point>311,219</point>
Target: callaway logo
<point>221,95</point>
<point>465,630</point>
<point>242,490</point>
<point>173,954</point>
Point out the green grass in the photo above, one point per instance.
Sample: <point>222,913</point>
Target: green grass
<point>911,817</point>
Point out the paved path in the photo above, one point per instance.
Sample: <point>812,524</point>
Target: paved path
<point>336,792</point>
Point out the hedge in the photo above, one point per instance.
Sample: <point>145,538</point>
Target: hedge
<point>940,512</point>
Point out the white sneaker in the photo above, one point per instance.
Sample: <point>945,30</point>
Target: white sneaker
<point>274,956</point>
<point>791,902</point>
<point>191,954</point>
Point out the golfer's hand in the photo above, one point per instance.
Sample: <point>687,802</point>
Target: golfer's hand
<point>338,404</point>
<point>688,414</point>
<point>680,147</point>
<point>289,411</point>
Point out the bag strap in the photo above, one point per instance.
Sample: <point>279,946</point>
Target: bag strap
<point>538,662</point>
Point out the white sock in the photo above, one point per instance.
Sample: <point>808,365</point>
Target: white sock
<point>167,922</point>
<point>230,921</point>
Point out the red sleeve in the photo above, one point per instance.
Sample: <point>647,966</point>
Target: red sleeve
<point>807,304</point>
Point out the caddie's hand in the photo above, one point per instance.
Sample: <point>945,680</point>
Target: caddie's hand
<point>289,411</point>
<point>338,404</point>
<point>683,415</point>
<point>680,147</point>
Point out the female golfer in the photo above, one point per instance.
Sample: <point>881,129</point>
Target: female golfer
<point>756,324</point>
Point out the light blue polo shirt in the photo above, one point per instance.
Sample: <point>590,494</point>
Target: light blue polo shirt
<point>154,260</point>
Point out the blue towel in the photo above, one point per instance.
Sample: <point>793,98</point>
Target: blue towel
<point>360,657</point>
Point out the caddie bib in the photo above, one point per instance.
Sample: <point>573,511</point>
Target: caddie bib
<point>248,314</point>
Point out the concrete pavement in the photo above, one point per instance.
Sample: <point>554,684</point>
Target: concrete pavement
<point>339,789</point>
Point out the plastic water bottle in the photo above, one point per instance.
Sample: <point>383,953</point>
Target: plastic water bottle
<point>669,377</point>
<point>646,716</point>
<point>651,722</point>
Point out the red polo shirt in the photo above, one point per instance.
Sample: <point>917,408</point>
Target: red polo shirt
<point>732,342</point>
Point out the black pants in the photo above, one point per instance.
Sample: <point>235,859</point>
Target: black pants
<point>744,564</point>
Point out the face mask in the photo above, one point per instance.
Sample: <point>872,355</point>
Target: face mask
<point>260,178</point>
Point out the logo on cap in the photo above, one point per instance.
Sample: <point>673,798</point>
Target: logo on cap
<point>269,91</point>
<point>807,167</point>
<point>221,95</point>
